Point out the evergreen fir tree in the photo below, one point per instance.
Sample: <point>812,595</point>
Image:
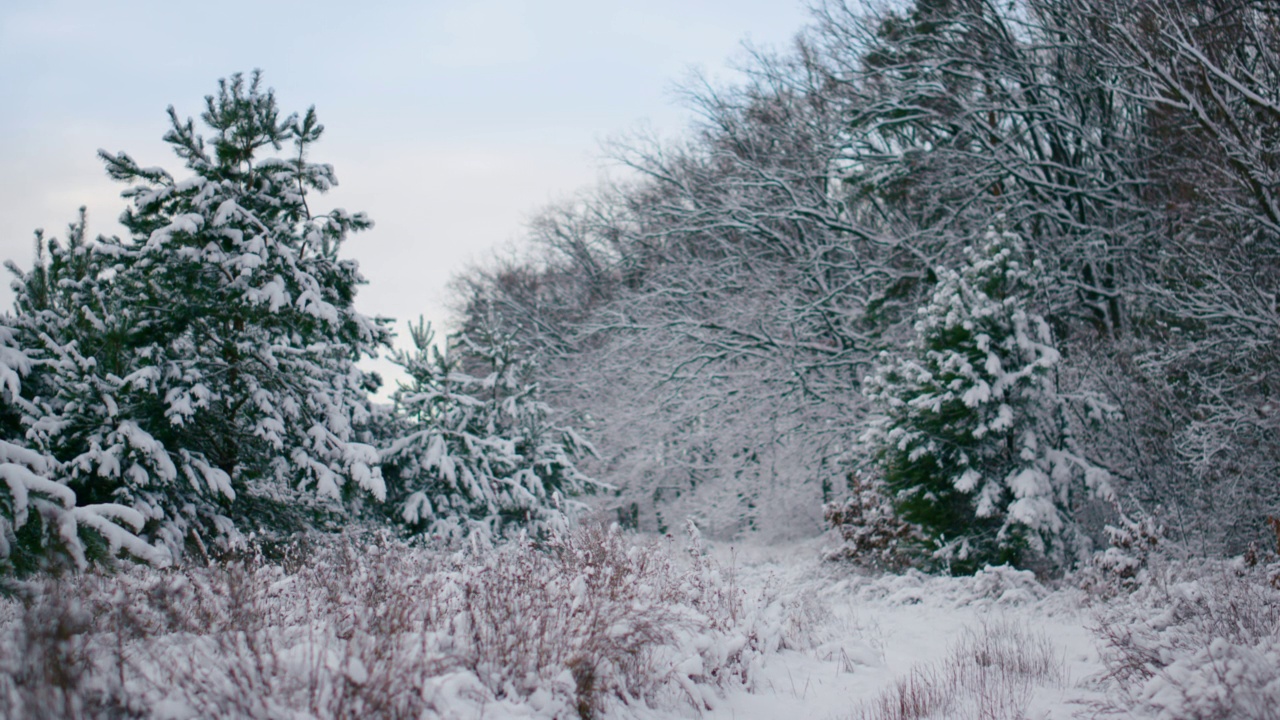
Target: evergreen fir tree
<point>206,364</point>
<point>974,444</point>
<point>477,451</point>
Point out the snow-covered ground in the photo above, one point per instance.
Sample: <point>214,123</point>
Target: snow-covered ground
<point>865,632</point>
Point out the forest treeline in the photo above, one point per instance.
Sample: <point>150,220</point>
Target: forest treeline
<point>713,324</point>
<point>978,277</point>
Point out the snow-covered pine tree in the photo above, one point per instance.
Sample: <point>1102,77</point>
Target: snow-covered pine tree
<point>477,450</point>
<point>71,317</point>
<point>207,363</point>
<point>974,443</point>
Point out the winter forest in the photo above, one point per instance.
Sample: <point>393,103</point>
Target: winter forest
<point>957,314</point>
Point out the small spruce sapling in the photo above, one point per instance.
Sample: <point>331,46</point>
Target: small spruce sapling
<point>974,443</point>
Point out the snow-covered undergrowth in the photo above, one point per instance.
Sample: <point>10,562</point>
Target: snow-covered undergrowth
<point>585,626</point>
<point>603,624</point>
<point>1195,641</point>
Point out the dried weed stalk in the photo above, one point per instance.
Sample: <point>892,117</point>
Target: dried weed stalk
<point>990,674</point>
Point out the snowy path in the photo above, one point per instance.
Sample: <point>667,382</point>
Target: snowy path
<point>867,632</point>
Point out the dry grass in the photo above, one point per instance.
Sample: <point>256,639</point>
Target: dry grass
<point>989,674</point>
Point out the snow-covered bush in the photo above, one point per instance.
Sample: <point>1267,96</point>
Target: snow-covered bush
<point>974,444</point>
<point>476,449</point>
<point>203,370</point>
<point>1197,641</point>
<point>1125,563</point>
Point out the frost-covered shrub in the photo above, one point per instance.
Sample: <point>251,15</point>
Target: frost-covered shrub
<point>974,443</point>
<point>46,669</point>
<point>235,640</point>
<point>1195,642</point>
<point>476,449</point>
<point>607,612</point>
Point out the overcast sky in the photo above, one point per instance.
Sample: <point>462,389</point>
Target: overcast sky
<point>450,123</point>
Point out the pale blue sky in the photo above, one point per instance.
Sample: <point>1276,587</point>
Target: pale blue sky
<point>450,123</point>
